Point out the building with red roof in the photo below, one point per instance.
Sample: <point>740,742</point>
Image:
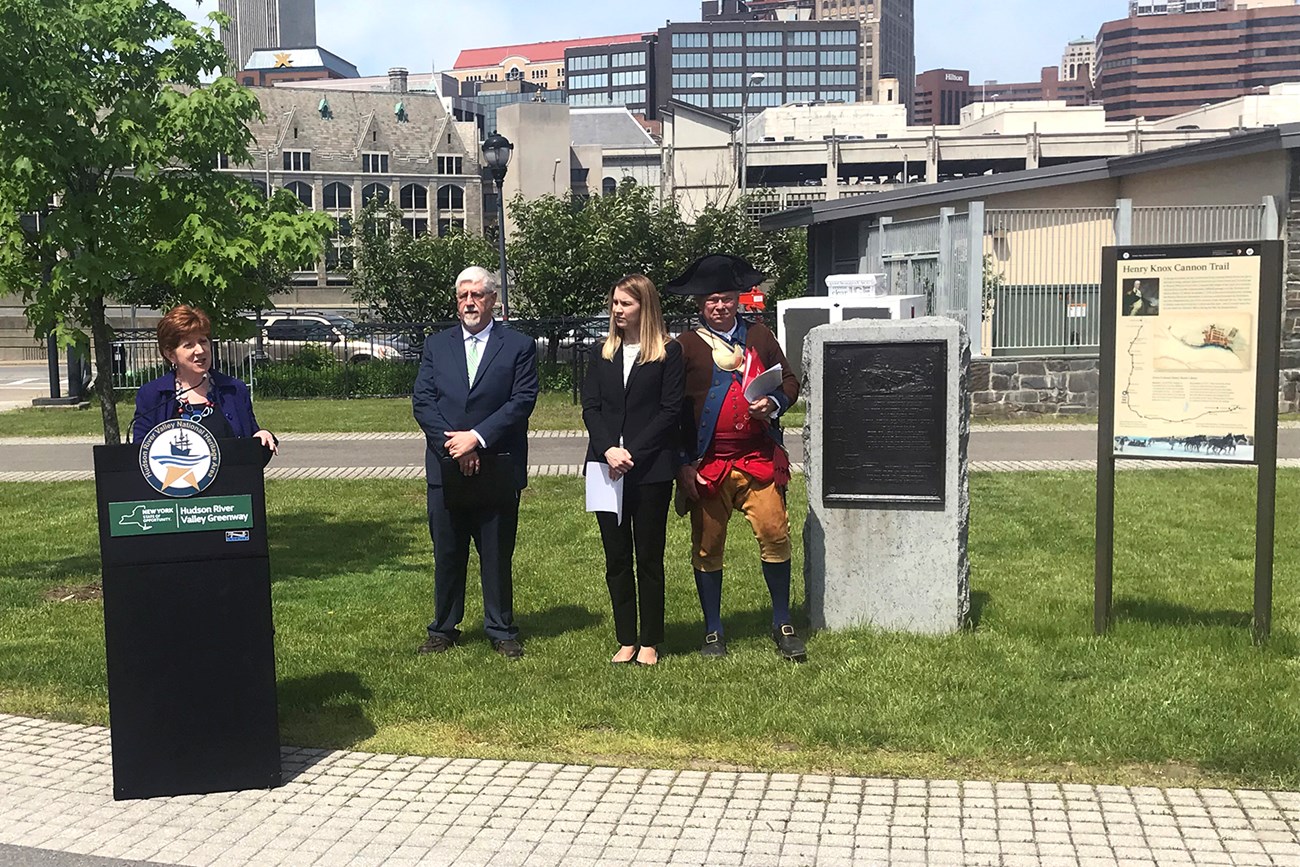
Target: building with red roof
<point>539,63</point>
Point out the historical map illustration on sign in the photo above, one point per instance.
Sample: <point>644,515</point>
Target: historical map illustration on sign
<point>1185,354</point>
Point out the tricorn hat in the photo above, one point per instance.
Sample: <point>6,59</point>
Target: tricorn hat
<point>716,272</point>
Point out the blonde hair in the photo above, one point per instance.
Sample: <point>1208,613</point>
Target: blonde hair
<point>654,336</point>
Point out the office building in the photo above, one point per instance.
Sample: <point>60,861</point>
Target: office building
<point>1157,65</point>
<point>618,74</point>
<point>719,65</point>
<point>490,96</point>
<point>940,95</point>
<point>258,24</point>
<point>541,64</point>
<point>1079,60</point>
<point>1178,7</point>
<point>888,33</point>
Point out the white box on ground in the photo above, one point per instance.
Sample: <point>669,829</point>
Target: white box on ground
<point>797,316</point>
<point>856,284</point>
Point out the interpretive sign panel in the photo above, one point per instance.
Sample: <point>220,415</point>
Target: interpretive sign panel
<point>1186,352</point>
<point>885,440</point>
<point>1190,350</point>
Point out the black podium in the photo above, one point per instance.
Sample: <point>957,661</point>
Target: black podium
<point>187,628</point>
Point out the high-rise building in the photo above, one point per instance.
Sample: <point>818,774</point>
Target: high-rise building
<point>258,24</point>
<point>888,31</point>
<point>1159,65</point>
<point>723,65</point>
<point>1178,7</point>
<point>1079,60</point>
<point>940,96</point>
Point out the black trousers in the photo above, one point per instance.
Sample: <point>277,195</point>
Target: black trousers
<point>493,534</point>
<point>645,523</point>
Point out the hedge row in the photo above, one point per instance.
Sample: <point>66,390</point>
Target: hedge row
<point>371,379</point>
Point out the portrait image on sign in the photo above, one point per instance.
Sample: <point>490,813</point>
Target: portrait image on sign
<point>179,458</point>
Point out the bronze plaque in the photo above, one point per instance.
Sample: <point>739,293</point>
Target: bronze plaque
<point>885,433</point>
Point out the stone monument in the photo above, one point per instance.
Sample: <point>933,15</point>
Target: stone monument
<point>885,542</point>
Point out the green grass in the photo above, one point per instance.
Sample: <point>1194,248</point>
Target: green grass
<point>1175,695</point>
<point>555,411</point>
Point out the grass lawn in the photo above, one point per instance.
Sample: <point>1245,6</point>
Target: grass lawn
<point>1175,695</point>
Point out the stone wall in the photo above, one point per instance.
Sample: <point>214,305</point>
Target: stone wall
<point>1034,386</point>
<point>1289,375</point>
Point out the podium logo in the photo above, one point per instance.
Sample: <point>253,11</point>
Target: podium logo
<point>179,458</point>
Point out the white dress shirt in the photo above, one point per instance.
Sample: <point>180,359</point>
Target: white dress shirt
<point>469,340</point>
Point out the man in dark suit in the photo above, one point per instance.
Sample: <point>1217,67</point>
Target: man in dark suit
<point>476,387</point>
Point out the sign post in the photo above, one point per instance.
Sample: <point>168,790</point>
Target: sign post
<point>1189,367</point>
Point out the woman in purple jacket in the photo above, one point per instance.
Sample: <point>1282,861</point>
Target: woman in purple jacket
<point>192,389</point>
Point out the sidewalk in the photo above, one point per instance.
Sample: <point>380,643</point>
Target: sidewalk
<point>351,808</point>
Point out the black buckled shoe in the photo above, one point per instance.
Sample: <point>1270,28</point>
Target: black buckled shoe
<point>788,644</point>
<point>436,643</point>
<point>509,648</point>
<point>714,645</point>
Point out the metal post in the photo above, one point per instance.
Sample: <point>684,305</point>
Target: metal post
<point>744,142</point>
<point>1123,222</point>
<point>501,249</point>
<point>52,355</point>
<point>1272,277</point>
<point>1272,222</point>
<point>1104,531</point>
<point>975,279</point>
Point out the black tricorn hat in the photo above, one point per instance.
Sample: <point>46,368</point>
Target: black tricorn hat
<point>716,272</point>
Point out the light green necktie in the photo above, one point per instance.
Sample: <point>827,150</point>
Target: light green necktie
<point>473,358</point>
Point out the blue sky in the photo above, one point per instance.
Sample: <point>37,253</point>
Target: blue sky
<point>1006,40</point>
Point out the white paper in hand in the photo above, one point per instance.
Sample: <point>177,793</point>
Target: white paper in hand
<point>603,493</point>
<point>764,384</point>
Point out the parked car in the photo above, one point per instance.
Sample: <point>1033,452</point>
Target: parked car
<point>285,334</point>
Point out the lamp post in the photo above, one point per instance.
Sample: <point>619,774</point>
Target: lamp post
<point>496,155</point>
<point>902,150</point>
<point>755,79</point>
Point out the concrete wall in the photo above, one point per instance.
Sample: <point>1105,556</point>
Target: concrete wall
<point>540,133</point>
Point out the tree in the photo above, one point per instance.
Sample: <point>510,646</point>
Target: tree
<point>567,250</point>
<point>407,279</point>
<point>105,117</point>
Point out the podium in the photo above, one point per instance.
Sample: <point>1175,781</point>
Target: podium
<point>188,633</point>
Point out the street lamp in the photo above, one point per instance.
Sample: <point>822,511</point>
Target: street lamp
<point>902,150</point>
<point>755,79</point>
<point>496,155</point>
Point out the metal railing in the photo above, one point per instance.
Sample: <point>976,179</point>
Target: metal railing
<point>1042,279</point>
<point>370,359</point>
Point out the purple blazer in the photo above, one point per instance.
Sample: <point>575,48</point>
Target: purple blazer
<point>155,403</point>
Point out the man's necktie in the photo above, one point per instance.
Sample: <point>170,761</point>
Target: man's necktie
<point>473,358</point>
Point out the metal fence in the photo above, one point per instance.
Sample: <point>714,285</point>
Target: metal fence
<point>325,355</point>
<point>1028,281</point>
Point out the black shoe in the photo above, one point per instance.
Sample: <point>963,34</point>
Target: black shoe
<point>508,647</point>
<point>714,645</point>
<point>437,643</point>
<point>788,644</point>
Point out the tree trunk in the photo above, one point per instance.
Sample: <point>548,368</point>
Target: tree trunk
<point>102,344</point>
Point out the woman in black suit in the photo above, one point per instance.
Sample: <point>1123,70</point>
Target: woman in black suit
<point>631,400</point>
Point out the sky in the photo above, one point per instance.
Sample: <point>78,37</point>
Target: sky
<point>1003,40</point>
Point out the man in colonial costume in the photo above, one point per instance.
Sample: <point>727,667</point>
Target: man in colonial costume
<point>732,455</point>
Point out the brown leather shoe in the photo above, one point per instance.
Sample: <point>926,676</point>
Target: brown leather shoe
<point>508,647</point>
<point>437,643</point>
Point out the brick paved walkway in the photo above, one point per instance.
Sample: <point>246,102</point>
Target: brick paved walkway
<point>351,808</point>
